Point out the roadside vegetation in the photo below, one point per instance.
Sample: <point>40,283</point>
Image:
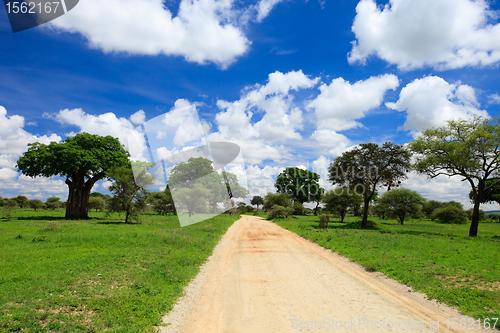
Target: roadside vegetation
<point>102,274</point>
<point>431,257</point>
<point>97,274</point>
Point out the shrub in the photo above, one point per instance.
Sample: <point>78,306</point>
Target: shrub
<point>35,204</point>
<point>482,214</point>
<point>97,203</point>
<point>280,199</point>
<point>323,221</point>
<point>429,207</point>
<point>249,209</point>
<point>279,212</point>
<point>53,203</point>
<point>450,214</point>
<point>298,208</point>
<point>492,217</point>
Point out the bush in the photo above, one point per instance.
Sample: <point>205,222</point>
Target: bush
<point>279,212</point>
<point>482,214</point>
<point>280,199</point>
<point>323,221</point>
<point>492,217</point>
<point>53,203</point>
<point>249,209</point>
<point>97,203</point>
<point>450,214</point>
<point>35,204</point>
<point>298,208</point>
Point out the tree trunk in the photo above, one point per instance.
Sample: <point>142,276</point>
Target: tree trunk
<point>342,215</point>
<point>356,210</point>
<point>78,198</point>
<point>364,222</point>
<point>475,219</point>
<point>475,212</point>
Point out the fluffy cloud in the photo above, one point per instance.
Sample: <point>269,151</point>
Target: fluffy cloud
<point>39,188</point>
<point>14,140</point>
<point>261,180</point>
<point>281,120</point>
<point>431,102</point>
<point>337,143</point>
<point>184,118</point>
<point>7,174</point>
<point>138,118</point>
<point>202,31</point>
<point>441,188</point>
<point>264,7</point>
<point>443,34</point>
<point>339,104</point>
<point>106,124</point>
<point>320,166</point>
<point>494,99</point>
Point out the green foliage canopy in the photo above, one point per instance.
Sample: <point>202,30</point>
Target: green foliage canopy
<point>466,148</point>
<point>257,201</point>
<point>300,184</point>
<point>340,200</point>
<point>129,192</point>
<point>83,160</point>
<point>368,166</point>
<point>402,202</point>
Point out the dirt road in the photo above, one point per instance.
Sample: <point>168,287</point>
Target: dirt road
<point>262,278</point>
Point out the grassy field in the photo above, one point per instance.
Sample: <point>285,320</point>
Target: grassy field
<point>437,259</point>
<point>99,274</point>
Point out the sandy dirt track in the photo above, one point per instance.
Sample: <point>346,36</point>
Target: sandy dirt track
<point>262,278</point>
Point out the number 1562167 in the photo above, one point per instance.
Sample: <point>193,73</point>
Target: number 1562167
<point>463,323</point>
<point>32,7</point>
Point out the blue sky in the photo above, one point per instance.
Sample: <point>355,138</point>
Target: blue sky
<point>294,83</point>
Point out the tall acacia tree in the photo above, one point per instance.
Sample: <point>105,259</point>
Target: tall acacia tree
<point>369,166</point>
<point>466,148</point>
<point>83,160</point>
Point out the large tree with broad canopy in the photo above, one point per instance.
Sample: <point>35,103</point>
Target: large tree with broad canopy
<point>83,160</point>
<point>368,166</point>
<point>469,149</point>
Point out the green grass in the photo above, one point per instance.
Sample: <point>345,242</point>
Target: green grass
<point>99,274</point>
<point>437,259</point>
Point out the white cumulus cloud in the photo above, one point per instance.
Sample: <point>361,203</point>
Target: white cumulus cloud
<point>443,34</point>
<point>203,30</point>
<point>106,124</point>
<point>14,139</point>
<point>281,120</point>
<point>431,102</point>
<point>339,104</point>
